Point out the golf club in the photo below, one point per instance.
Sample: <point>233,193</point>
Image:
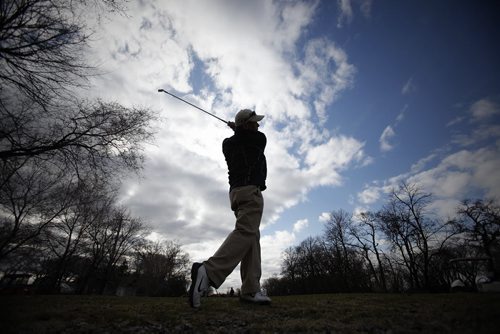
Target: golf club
<point>192,105</point>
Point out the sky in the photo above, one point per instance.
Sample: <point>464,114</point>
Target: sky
<point>358,96</point>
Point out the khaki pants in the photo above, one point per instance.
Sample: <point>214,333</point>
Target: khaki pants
<point>242,244</point>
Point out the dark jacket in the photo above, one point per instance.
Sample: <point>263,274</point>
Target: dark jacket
<point>246,162</point>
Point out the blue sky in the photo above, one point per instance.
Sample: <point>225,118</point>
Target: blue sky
<point>358,96</point>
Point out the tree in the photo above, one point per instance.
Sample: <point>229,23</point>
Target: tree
<point>42,46</point>
<point>80,135</point>
<point>366,234</point>
<point>304,266</point>
<point>413,232</point>
<point>339,239</point>
<point>480,222</point>
<point>31,199</point>
<point>111,239</point>
<point>162,268</point>
<point>50,139</point>
<point>66,239</point>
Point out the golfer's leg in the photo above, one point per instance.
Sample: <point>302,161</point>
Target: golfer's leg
<point>239,241</point>
<point>251,269</point>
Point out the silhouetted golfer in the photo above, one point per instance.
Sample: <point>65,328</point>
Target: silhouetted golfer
<point>244,153</point>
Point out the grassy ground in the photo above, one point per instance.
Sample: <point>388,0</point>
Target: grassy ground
<point>334,313</point>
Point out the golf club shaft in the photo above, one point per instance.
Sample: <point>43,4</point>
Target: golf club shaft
<point>192,105</point>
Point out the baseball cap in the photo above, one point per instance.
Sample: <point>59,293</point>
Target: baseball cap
<point>247,115</point>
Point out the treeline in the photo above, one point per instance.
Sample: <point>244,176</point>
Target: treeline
<point>401,247</point>
<point>61,160</point>
<point>93,246</point>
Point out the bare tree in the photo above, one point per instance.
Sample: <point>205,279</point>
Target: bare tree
<point>367,239</point>
<point>95,135</point>
<point>66,238</point>
<point>305,267</point>
<point>110,239</point>
<point>161,266</point>
<point>479,221</point>
<point>338,238</point>
<point>40,47</point>
<point>30,200</point>
<point>413,231</point>
<point>49,139</point>
<point>290,265</point>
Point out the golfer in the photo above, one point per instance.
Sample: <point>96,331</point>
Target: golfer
<point>244,153</point>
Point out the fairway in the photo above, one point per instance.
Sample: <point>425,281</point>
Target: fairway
<point>329,313</point>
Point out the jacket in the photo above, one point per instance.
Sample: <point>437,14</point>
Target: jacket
<point>246,162</point>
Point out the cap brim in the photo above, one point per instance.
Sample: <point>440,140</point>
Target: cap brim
<point>256,118</point>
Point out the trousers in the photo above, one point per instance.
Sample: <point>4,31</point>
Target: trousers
<point>242,244</point>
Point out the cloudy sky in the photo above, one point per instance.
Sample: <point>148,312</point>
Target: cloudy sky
<point>358,95</point>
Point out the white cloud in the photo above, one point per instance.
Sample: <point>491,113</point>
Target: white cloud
<point>324,217</point>
<point>480,134</point>
<point>480,112</point>
<point>409,87</point>
<point>455,177</point>
<point>346,14</point>
<point>401,115</point>
<point>369,195</point>
<point>385,138</point>
<point>300,225</point>
<point>420,165</point>
<point>320,55</point>
<point>272,247</point>
<point>484,109</point>
<point>455,121</point>
<point>389,131</point>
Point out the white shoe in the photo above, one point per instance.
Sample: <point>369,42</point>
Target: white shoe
<point>256,298</point>
<point>199,284</point>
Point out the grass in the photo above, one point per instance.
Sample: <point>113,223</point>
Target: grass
<point>329,313</point>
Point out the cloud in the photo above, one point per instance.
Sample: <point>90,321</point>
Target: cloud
<point>325,161</point>
<point>369,195</point>
<point>366,8</point>
<point>321,56</point>
<point>409,87</point>
<point>385,138</point>
<point>484,109</point>
<point>464,168</point>
<point>401,114</point>
<point>455,121</point>
<point>477,135</point>
<point>324,217</point>
<point>480,111</point>
<point>346,12</point>
<point>300,225</point>
<point>272,247</point>
<point>390,132</point>
<point>421,164</point>
<point>455,176</point>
